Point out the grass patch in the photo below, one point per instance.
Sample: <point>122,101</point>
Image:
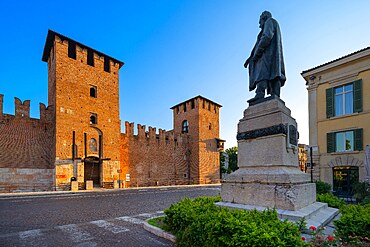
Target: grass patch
<point>157,222</point>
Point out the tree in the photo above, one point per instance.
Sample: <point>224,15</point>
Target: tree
<point>233,160</point>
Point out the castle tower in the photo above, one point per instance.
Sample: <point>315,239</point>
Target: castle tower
<point>1,104</point>
<point>83,94</point>
<point>199,118</point>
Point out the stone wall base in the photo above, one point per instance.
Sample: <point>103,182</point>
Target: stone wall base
<point>281,196</point>
<point>26,179</point>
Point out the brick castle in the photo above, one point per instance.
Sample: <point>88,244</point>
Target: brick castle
<point>79,136</point>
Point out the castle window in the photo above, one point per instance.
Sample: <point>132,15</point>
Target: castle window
<point>192,104</point>
<point>209,106</point>
<point>72,49</point>
<point>184,107</point>
<point>215,109</point>
<point>90,57</point>
<point>93,91</point>
<point>93,118</point>
<point>204,104</point>
<point>106,64</point>
<point>210,126</point>
<point>178,110</point>
<point>185,126</point>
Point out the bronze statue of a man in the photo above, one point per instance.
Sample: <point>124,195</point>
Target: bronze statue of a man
<point>266,62</point>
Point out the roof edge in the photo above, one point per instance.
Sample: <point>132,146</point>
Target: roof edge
<point>49,44</point>
<point>199,96</point>
<point>346,58</point>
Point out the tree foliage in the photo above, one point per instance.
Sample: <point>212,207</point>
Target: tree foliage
<point>233,160</point>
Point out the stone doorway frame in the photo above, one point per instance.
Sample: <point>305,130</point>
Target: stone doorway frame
<point>87,165</point>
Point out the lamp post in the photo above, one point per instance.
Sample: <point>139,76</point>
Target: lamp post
<point>311,164</point>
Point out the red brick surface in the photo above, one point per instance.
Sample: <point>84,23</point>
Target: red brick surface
<point>150,158</point>
<point>25,142</point>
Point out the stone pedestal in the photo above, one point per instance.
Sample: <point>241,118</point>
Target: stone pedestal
<point>115,184</point>
<point>268,174</point>
<point>89,185</point>
<point>74,186</point>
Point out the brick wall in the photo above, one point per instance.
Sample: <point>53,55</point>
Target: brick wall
<point>154,159</point>
<point>26,163</point>
<point>209,156</point>
<point>25,142</point>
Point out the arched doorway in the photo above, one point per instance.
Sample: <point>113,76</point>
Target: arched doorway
<point>344,177</point>
<point>92,170</point>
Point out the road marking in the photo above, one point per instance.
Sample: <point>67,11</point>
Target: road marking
<point>145,215</point>
<point>30,234</point>
<point>131,220</point>
<point>89,244</point>
<point>110,226</point>
<point>76,234</point>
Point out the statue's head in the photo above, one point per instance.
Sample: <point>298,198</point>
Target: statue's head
<point>263,17</point>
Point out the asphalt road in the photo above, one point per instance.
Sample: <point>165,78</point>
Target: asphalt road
<point>104,218</point>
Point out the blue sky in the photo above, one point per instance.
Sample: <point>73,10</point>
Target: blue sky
<point>177,49</point>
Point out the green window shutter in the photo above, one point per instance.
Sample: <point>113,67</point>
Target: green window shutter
<point>357,96</point>
<point>330,138</point>
<point>358,133</point>
<point>329,102</point>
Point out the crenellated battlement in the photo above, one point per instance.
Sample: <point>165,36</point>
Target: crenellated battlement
<point>80,52</point>
<point>151,135</point>
<point>46,113</point>
<point>22,110</point>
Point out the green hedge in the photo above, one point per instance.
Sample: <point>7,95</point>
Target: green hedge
<point>354,223</point>
<point>331,200</point>
<point>322,188</point>
<point>199,222</point>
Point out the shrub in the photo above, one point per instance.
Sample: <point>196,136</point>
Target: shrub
<point>354,224</point>
<point>182,214</point>
<point>322,188</point>
<point>200,223</point>
<point>366,200</point>
<point>331,200</point>
<point>361,190</point>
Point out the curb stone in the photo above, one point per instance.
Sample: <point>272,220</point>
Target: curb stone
<point>35,193</point>
<point>159,232</point>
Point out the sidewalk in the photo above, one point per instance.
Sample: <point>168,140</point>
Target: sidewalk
<point>34,193</point>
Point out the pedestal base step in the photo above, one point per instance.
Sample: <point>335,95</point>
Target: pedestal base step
<point>317,214</point>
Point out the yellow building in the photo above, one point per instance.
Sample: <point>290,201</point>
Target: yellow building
<point>339,119</point>
<point>302,157</point>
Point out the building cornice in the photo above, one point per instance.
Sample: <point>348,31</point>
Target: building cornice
<point>337,62</point>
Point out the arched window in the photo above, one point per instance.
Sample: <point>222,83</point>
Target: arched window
<point>185,126</point>
<point>93,118</point>
<point>93,91</point>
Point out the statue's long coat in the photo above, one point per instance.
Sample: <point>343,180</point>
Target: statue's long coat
<point>269,49</point>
